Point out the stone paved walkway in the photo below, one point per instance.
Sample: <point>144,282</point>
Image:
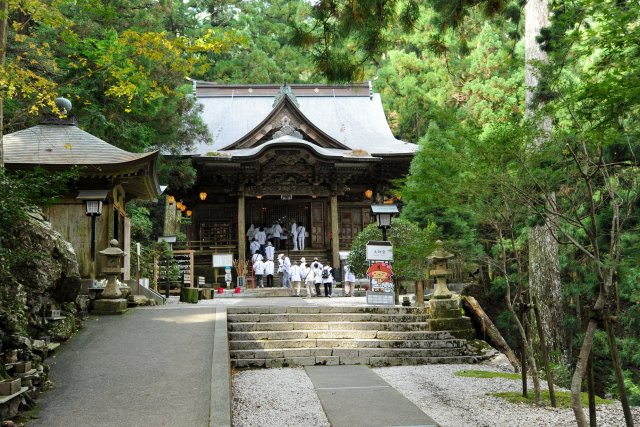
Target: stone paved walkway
<point>148,367</point>
<point>355,396</point>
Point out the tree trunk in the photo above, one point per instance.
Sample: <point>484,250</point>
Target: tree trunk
<point>487,329</point>
<point>544,267</point>
<point>4,15</point>
<point>420,293</point>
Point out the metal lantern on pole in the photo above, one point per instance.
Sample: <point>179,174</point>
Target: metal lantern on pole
<point>93,200</point>
<point>383,214</point>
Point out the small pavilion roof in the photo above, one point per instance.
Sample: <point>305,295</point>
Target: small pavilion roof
<point>53,144</point>
<point>61,146</point>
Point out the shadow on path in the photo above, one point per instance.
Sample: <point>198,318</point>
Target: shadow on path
<point>148,367</point>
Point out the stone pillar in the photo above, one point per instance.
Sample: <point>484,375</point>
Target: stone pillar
<point>169,228</point>
<point>335,232</point>
<point>242,242</point>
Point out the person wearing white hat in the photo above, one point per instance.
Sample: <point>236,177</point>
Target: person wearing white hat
<point>270,251</point>
<point>281,268</point>
<point>296,277</point>
<point>317,273</point>
<point>349,281</point>
<point>309,279</point>
<point>286,274</point>
<point>258,270</point>
<point>268,271</point>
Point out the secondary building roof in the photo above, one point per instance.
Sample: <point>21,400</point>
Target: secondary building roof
<point>61,146</point>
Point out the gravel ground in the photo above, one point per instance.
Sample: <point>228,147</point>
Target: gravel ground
<point>281,397</point>
<point>456,401</point>
<point>285,397</point>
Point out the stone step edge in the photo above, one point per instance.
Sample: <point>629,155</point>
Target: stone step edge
<point>456,343</point>
<point>342,322</point>
<point>315,309</point>
<point>345,360</point>
<point>275,353</point>
<point>328,317</point>
<point>397,335</point>
<point>311,343</point>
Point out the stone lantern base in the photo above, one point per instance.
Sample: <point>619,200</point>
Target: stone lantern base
<point>447,315</point>
<point>110,306</point>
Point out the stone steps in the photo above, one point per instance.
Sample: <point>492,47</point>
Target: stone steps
<point>315,309</point>
<point>349,360</point>
<point>330,335</point>
<point>346,343</point>
<point>335,327</point>
<point>292,326</point>
<point>275,353</point>
<point>327,317</point>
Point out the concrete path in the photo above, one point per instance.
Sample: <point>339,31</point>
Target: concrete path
<point>355,396</point>
<point>148,367</point>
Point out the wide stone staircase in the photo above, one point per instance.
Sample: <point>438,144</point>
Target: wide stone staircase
<point>340,335</point>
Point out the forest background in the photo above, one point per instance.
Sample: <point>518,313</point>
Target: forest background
<point>451,75</point>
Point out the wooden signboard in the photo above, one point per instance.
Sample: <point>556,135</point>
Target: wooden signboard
<point>184,258</point>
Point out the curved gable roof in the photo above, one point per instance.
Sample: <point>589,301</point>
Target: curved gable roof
<point>285,109</point>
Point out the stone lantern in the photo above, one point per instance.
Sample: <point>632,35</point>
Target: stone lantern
<point>444,306</point>
<point>439,258</point>
<point>111,301</point>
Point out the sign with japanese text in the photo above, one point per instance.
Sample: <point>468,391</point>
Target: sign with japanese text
<point>379,251</point>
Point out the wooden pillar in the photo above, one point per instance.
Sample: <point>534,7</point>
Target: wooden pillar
<point>335,232</point>
<point>242,243</point>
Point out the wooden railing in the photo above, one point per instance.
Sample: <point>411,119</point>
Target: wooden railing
<point>203,245</point>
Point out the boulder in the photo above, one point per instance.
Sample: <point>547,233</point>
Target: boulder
<point>47,274</point>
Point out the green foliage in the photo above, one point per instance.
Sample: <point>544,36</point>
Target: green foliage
<point>487,374</point>
<point>411,245</point>
<point>268,55</point>
<point>141,224</point>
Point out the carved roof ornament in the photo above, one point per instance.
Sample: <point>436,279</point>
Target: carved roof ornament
<point>285,90</point>
<point>287,128</point>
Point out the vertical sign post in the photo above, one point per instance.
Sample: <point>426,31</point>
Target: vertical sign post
<point>380,272</point>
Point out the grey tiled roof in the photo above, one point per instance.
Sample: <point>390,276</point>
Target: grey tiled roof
<point>50,144</point>
<point>356,121</point>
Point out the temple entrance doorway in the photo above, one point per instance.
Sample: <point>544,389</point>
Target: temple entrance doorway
<point>303,211</point>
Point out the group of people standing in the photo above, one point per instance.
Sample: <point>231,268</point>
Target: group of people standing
<point>294,274</point>
<point>264,243</point>
<point>276,235</point>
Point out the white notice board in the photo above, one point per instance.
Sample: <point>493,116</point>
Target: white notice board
<point>222,260</point>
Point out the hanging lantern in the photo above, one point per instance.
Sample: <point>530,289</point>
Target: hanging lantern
<point>179,205</point>
<point>368,193</point>
<point>172,200</point>
<point>189,213</point>
<point>203,196</point>
<point>183,207</point>
<point>259,196</point>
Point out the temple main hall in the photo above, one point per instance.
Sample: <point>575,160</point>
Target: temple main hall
<point>314,155</point>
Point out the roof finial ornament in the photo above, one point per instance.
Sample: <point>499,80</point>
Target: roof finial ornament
<point>63,114</point>
<point>285,90</point>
